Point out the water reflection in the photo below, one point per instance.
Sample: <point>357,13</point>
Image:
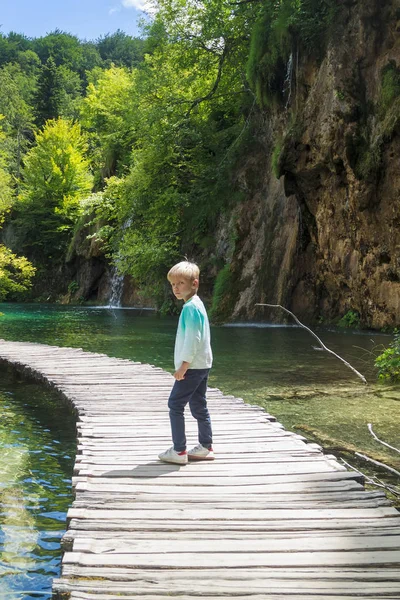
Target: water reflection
<point>37,449</point>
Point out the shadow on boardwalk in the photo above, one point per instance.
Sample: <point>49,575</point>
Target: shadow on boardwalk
<point>149,470</point>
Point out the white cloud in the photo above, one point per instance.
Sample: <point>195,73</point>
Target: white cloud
<point>138,4</point>
<point>114,9</point>
<point>147,6</point>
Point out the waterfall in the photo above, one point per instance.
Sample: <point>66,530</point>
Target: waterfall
<point>117,280</point>
<point>287,85</point>
<point>117,284</point>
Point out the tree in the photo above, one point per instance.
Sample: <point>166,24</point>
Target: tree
<point>71,94</point>
<point>64,48</point>
<point>11,45</point>
<point>120,49</point>
<point>90,58</point>
<point>16,90</point>
<point>56,178</point>
<point>109,112</point>
<point>6,192</point>
<point>49,94</point>
<point>16,274</point>
<point>190,108</point>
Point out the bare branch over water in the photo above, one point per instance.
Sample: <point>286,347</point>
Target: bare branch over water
<point>323,347</point>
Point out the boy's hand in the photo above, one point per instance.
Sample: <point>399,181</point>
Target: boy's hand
<point>181,372</point>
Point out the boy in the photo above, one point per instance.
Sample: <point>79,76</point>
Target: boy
<point>193,360</point>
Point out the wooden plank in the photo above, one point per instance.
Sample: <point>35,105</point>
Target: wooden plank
<point>233,536</point>
<point>331,574</point>
<point>346,543</point>
<point>223,514</point>
<point>230,525</point>
<point>221,596</point>
<point>103,486</point>
<point>236,560</point>
<point>183,478</point>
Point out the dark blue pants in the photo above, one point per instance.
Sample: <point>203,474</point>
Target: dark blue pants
<point>190,390</point>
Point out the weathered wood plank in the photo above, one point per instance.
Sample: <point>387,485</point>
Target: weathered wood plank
<point>230,525</point>
<point>346,543</point>
<point>330,574</point>
<point>208,560</point>
<point>225,514</point>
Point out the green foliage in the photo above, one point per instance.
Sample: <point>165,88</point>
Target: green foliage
<point>340,94</point>
<point>6,191</point>
<point>16,90</point>
<point>276,153</point>
<point>365,147</point>
<point>390,87</point>
<point>120,49</point>
<point>364,153</point>
<point>73,287</point>
<point>11,46</point>
<point>167,122</point>
<point>6,196</point>
<point>282,27</point>
<point>110,112</point>
<point>16,274</point>
<point>178,130</point>
<point>388,362</point>
<point>71,93</point>
<point>98,217</point>
<point>313,21</point>
<point>63,48</point>
<point>350,320</point>
<point>49,94</point>
<point>221,294</point>
<point>56,179</point>
<point>269,50</point>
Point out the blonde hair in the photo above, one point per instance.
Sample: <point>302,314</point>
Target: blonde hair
<point>184,269</point>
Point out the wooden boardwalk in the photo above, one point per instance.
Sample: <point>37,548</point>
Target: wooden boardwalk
<point>272,518</point>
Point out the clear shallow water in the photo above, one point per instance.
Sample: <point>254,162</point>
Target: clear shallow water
<point>276,367</point>
<point>37,446</point>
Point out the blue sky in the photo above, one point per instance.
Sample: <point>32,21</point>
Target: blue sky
<point>87,19</point>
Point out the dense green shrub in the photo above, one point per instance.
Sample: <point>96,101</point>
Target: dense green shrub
<point>350,320</point>
<point>16,274</point>
<point>276,153</point>
<point>221,293</point>
<point>390,86</point>
<point>388,363</point>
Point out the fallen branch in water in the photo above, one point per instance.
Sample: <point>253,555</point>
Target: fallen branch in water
<point>377,463</point>
<point>323,347</point>
<point>380,441</point>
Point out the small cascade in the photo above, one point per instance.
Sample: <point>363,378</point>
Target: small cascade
<point>117,285</point>
<point>287,84</point>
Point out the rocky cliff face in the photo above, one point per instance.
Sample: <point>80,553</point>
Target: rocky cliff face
<point>325,238</point>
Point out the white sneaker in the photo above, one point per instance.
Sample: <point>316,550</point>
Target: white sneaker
<point>171,456</point>
<point>199,452</point>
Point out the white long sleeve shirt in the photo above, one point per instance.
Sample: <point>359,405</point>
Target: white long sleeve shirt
<point>193,340</point>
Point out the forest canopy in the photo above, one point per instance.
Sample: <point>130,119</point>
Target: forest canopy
<point>140,137</point>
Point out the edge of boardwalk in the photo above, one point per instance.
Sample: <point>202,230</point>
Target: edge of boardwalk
<point>275,519</point>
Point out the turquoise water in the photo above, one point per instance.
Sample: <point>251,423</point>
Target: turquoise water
<point>37,437</point>
<point>276,367</point>
<point>267,355</point>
